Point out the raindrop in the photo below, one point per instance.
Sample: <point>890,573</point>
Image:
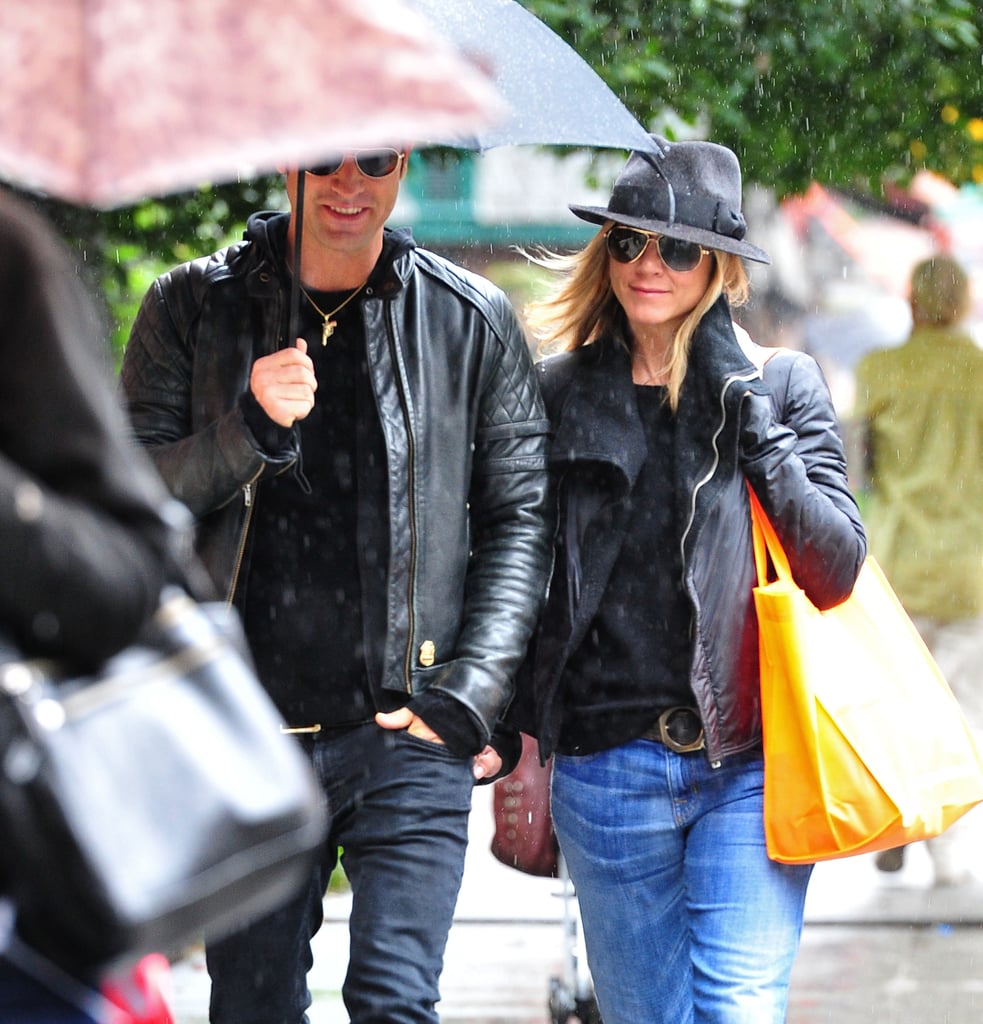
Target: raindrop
<point>49,714</point>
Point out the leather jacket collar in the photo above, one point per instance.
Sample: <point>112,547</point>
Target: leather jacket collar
<point>267,233</point>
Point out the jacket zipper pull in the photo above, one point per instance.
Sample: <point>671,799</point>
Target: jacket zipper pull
<point>247,495</point>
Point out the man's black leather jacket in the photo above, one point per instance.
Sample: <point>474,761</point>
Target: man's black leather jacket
<point>465,431</point>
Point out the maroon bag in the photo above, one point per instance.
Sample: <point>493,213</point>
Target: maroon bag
<point>524,838</point>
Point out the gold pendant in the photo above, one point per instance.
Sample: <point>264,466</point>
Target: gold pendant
<point>327,329</point>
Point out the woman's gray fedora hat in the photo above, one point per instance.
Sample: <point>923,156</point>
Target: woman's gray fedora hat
<point>702,205</point>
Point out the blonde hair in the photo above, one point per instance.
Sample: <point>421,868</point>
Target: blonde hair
<point>581,307</point>
<point>940,293</point>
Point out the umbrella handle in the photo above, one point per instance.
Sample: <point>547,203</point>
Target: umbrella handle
<point>293,322</point>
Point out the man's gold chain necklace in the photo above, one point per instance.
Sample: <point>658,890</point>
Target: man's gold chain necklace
<point>328,322</point>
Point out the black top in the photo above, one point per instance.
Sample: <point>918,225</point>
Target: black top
<point>638,649</point>
<point>303,598</point>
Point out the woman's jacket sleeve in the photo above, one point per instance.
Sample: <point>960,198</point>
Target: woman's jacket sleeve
<point>792,455</point>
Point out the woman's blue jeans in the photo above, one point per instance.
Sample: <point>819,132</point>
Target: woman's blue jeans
<point>685,918</point>
<point>399,811</point>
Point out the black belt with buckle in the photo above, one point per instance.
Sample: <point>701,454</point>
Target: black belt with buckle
<point>680,729</point>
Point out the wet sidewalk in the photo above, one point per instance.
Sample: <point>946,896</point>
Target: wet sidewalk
<point>878,947</point>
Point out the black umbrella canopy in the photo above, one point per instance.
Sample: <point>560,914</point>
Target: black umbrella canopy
<point>555,96</point>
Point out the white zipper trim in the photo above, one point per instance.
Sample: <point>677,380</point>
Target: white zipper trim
<point>700,484</point>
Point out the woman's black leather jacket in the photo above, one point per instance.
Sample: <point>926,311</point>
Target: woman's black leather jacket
<point>465,432</point>
<point>777,432</point>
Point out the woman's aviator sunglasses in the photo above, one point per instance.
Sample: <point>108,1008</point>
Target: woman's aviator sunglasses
<point>373,163</point>
<point>627,245</point>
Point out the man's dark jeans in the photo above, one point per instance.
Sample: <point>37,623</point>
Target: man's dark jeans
<point>399,812</point>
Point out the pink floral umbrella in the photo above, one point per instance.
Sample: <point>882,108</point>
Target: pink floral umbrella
<point>106,101</point>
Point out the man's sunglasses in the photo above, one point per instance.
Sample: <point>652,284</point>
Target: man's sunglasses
<point>627,245</point>
<point>373,163</point>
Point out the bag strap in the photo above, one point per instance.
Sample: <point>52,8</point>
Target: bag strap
<point>766,543</point>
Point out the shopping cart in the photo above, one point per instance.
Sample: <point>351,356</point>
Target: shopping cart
<point>524,840</point>
<point>571,995</point>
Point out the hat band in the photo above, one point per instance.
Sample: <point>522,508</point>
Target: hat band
<point>702,212</point>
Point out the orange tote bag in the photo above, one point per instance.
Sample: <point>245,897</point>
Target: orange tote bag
<point>865,746</point>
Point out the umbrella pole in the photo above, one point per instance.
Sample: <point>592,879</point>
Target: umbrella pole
<point>298,214</point>
<point>293,322</point>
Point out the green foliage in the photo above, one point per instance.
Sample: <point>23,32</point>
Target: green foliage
<point>521,281</point>
<point>851,93</point>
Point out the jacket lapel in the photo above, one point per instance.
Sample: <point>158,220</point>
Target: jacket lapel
<point>708,424</point>
<point>598,421</point>
<point>597,454</point>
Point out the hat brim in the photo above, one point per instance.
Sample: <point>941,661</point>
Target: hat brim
<point>708,239</point>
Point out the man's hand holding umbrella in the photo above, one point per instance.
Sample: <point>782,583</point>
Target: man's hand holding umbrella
<point>284,383</point>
